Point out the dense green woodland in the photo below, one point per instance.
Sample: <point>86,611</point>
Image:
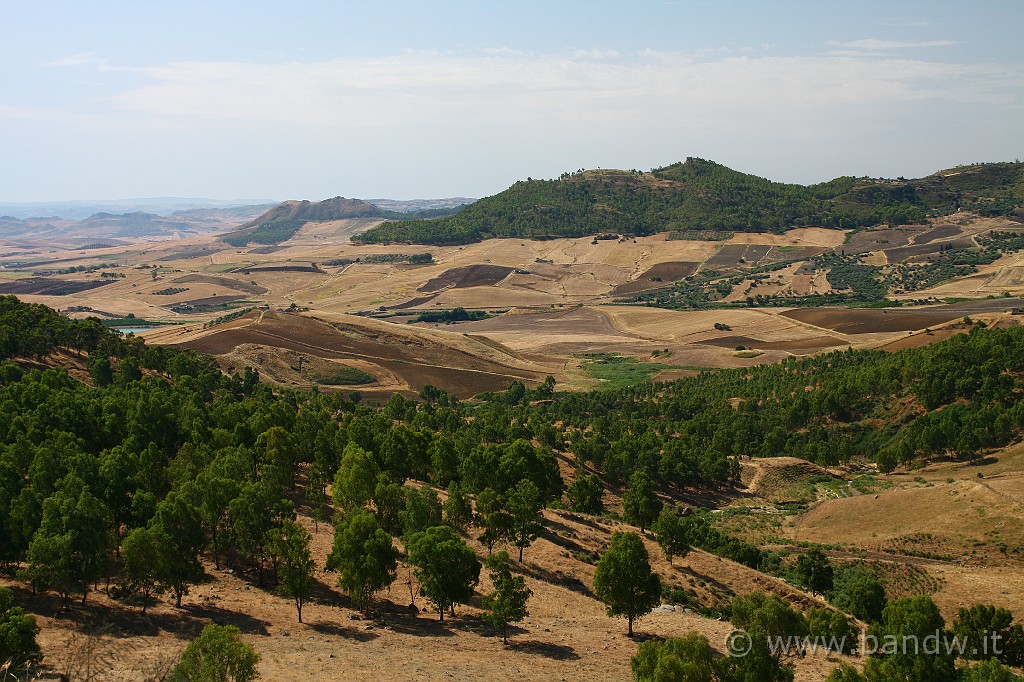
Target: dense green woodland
<point>160,421</point>
<point>703,195</point>
<point>161,459</point>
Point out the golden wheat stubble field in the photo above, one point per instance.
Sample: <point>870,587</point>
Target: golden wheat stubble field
<point>551,297</point>
<point>551,300</point>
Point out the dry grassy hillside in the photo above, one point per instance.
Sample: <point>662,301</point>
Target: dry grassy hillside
<point>567,635</point>
<point>949,530</point>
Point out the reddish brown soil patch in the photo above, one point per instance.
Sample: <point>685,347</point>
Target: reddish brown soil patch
<point>574,322</point>
<point>777,255</point>
<point>207,302</point>
<point>875,240</point>
<point>985,305</point>
<point>811,343</point>
<point>467,276</point>
<point>42,286</point>
<point>265,250</point>
<point>673,374</point>
<point>186,254</point>
<point>854,321</point>
<point>730,255</point>
<point>282,267</point>
<point>226,282</point>
<point>918,250</point>
<point>657,276</point>
<point>417,360</point>
<point>413,302</point>
<point>918,340</point>
<point>938,232</point>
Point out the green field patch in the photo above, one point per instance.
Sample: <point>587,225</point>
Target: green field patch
<point>343,375</point>
<point>618,371</point>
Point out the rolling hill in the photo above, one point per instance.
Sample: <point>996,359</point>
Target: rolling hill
<point>703,195</point>
<point>284,220</point>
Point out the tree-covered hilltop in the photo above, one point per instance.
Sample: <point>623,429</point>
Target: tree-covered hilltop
<point>285,219</point>
<point>703,195</point>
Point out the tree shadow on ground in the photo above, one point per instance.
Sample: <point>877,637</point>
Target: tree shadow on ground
<point>336,630</point>
<point>556,577</point>
<point>565,543</point>
<point>557,652</point>
<point>418,627</point>
<point>697,575</point>
<point>591,522</point>
<point>204,613</point>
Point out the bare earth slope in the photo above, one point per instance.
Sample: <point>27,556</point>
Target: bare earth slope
<point>404,359</point>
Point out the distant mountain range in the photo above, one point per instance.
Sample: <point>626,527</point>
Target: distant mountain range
<point>703,195</point>
<point>113,226</point>
<point>415,205</point>
<point>284,220</point>
<point>76,222</point>
<point>77,210</point>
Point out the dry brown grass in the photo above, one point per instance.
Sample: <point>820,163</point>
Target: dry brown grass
<point>567,635</point>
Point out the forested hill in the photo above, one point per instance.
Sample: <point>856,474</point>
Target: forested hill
<point>699,194</point>
<point>159,446</point>
<point>285,219</point>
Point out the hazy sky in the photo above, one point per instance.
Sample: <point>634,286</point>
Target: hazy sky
<point>416,99</point>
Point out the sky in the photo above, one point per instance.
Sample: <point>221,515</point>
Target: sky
<point>411,99</point>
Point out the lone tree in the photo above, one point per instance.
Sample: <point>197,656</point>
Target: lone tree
<point>422,510</point>
<point>291,545</point>
<point>982,621</point>
<point>356,478</point>
<point>584,494</point>
<point>70,548</point>
<point>916,617</point>
<point>815,571</point>
<point>640,503</point>
<point>624,581</point>
<point>690,658</point>
<point>492,517</point>
<point>862,596</point>
<point>672,533</point>
<point>524,506</point>
<point>765,618</point>
<point>507,604</point>
<point>178,537</point>
<point>217,655</point>
<point>446,567</point>
<point>457,509</point>
<point>140,550</point>
<point>363,555</point>
<point>18,647</point>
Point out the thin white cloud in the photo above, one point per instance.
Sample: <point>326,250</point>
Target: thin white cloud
<point>79,59</point>
<point>493,116</point>
<point>876,44</point>
<point>417,87</point>
<point>596,54</point>
<point>504,51</point>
